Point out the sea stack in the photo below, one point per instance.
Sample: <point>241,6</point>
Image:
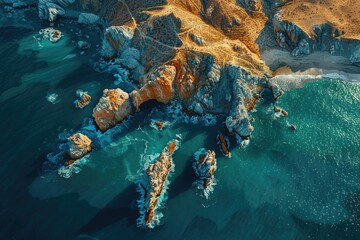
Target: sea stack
<point>78,146</point>
<point>153,184</point>
<point>204,165</point>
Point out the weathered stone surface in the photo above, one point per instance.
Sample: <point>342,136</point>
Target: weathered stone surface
<point>224,144</point>
<point>153,184</point>
<point>204,165</point>
<point>158,85</point>
<point>113,107</point>
<point>78,146</point>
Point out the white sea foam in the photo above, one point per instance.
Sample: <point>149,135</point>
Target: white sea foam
<point>74,168</point>
<point>290,81</point>
<point>175,110</point>
<point>120,74</point>
<point>53,98</point>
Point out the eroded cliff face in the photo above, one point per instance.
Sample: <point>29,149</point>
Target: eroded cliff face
<point>306,26</point>
<point>205,54</point>
<point>201,52</point>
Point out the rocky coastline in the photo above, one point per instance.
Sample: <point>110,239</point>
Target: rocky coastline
<point>203,55</point>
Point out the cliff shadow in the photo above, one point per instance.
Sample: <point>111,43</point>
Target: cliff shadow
<point>121,207</point>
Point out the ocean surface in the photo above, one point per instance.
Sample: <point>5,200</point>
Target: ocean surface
<point>284,185</point>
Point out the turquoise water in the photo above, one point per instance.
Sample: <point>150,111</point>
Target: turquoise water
<point>284,185</point>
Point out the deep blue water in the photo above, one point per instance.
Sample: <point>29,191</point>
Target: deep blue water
<point>284,185</point>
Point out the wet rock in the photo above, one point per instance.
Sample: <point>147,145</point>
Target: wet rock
<point>280,112</point>
<point>52,34</point>
<point>292,127</point>
<point>84,100</point>
<point>159,125</point>
<point>78,146</point>
<point>224,144</point>
<point>204,165</point>
<point>153,185</point>
<point>83,45</point>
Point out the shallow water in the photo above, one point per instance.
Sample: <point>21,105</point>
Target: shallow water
<point>284,185</point>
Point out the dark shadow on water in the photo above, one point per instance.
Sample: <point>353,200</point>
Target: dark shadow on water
<point>120,207</point>
<point>79,76</point>
<point>183,181</point>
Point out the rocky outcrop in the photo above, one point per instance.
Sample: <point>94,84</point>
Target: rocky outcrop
<point>78,146</point>
<point>204,165</point>
<point>153,184</point>
<point>52,34</point>
<point>224,144</point>
<point>49,10</point>
<point>280,112</point>
<point>307,26</point>
<point>116,38</point>
<point>84,99</point>
<point>172,59</point>
<point>157,85</point>
<point>114,106</point>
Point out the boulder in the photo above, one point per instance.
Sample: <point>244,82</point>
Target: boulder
<point>78,146</point>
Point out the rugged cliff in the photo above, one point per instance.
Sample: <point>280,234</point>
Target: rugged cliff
<point>306,26</point>
<point>206,53</point>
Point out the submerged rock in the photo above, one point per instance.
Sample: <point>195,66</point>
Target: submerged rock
<point>204,166</point>
<point>88,19</point>
<point>85,99</point>
<point>53,98</point>
<point>50,33</point>
<point>153,184</point>
<point>159,125</point>
<point>78,146</point>
<point>83,45</point>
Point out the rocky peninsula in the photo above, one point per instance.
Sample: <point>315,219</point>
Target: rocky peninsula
<point>215,56</point>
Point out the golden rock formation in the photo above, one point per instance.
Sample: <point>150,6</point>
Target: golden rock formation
<point>79,146</point>
<point>113,107</point>
<point>154,182</point>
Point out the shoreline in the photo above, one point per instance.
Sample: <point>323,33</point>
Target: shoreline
<point>276,58</point>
